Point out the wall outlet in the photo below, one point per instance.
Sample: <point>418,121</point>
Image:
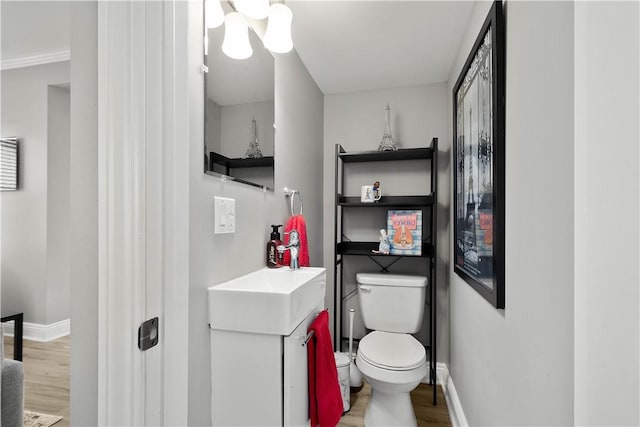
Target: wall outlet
<point>224,213</point>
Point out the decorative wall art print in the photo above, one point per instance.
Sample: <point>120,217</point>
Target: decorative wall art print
<point>8,164</point>
<point>404,228</point>
<point>479,159</point>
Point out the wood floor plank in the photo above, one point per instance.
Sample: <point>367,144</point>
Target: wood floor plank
<point>46,368</point>
<point>421,397</point>
<point>46,371</point>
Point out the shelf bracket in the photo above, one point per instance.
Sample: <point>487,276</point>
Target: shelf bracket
<point>384,268</point>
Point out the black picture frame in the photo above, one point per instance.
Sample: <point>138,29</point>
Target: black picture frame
<point>479,159</point>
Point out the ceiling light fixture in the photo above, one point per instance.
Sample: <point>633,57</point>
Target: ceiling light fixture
<point>213,14</point>
<point>236,36</point>
<point>254,9</point>
<point>277,37</point>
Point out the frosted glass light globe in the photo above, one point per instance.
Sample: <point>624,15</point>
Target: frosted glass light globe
<point>254,9</point>
<point>277,38</point>
<point>213,13</point>
<point>236,43</point>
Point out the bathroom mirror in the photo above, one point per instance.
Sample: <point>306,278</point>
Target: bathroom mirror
<point>239,111</point>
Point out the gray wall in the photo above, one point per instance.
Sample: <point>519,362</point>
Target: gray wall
<point>235,127</point>
<point>25,213</point>
<point>516,366</point>
<point>216,258</point>
<point>356,121</point>
<point>58,259</point>
<point>214,142</point>
<point>84,214</point>
<point>229,127</point>
<point>607,201</point>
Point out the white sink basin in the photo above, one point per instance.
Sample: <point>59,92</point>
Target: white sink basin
<point>267,301</point>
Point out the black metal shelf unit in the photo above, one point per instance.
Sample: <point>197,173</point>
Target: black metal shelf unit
<point>228,163</point>
<point>345,248</point>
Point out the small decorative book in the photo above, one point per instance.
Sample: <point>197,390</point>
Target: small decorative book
<point>404,228</point>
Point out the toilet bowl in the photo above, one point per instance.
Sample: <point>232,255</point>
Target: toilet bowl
<point>391,360</point>
<point>393,364</point>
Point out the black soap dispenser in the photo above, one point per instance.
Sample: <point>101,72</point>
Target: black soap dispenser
<point>273,257</point>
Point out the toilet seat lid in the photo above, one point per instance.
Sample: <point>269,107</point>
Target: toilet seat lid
<point>393,351</point>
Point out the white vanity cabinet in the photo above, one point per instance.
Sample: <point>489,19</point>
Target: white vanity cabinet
<point>258,326</point>
<point>260,379</point>
<point>296,369</point>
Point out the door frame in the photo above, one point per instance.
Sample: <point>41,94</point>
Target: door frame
<point>143,211</point>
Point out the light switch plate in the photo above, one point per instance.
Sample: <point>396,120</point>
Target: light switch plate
<point>224,213</point>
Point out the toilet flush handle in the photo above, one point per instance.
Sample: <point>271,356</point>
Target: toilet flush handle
<point>365,289</point>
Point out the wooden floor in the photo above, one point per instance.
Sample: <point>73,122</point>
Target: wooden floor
<point>46,371</point>
<point>421,397</point>
<point>46,367</point>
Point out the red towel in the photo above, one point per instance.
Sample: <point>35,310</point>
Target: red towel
<point>325,400</point>
<point>298,223</point>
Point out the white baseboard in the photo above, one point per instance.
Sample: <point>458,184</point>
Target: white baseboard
<point>39,332</point>
<point>456,414</point>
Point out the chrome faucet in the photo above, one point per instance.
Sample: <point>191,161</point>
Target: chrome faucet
<point>293,247</point>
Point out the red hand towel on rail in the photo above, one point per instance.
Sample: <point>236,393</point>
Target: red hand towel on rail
<point>298,223</point>
<point>325,400</point>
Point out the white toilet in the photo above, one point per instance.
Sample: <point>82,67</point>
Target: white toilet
<point>391,360</point>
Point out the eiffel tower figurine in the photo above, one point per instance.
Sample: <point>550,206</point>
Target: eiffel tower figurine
<point>254,151</point>
<point>387,143</point>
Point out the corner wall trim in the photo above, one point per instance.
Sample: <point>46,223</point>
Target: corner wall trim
<point>39,332</point>
<point>456,414</point>
<point>27,61</point>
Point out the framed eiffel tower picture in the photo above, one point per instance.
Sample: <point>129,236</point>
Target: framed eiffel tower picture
<point>478,150</point>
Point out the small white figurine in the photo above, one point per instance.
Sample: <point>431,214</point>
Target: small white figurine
<point>385,246</point>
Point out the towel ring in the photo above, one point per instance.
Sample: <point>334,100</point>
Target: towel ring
<point>292,194</point>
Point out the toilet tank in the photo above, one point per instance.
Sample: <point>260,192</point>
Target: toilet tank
<point>392,302</point>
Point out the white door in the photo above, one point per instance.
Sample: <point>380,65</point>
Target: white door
<point>143,211</point>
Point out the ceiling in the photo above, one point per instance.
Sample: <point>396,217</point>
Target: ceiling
<point>346,45</point>
<point>33,28</point>
<point>350,46</point>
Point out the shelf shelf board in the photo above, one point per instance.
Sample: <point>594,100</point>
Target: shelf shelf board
<point>388,201</point>
<point>366,248</point>
<point>266,161</point>
<point>381,156</point>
